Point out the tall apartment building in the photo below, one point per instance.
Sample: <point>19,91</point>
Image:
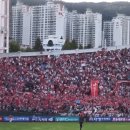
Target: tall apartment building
<point>48,20</point>
<point>121,30</point>
<point>4,26</point>
<point>85,29</point>
<point>72,26</point>
<point>10,17</point>
<point>117,31</point>
<point>17,22</point>
<point>26,25</point>
<point>107,34</point>
<point>21,23</point>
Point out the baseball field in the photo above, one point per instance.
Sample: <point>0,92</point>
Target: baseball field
<point>64,126</point>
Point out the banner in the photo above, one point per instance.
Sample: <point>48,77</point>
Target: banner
<point>16,119</point>
<point>100,119</point>
<point>94,88</point>
<point>42,119</point>
<point>66,119</point>
<point>61,119</point>
<point>121,119</point>
<point>109,119</point>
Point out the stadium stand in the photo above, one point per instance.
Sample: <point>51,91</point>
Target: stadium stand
<point>60,85</point>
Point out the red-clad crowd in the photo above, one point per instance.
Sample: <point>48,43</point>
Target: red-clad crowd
<point>61,84</point>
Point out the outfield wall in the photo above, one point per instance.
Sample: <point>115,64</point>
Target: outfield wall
<point>60,119</point>
<point>56,53</point>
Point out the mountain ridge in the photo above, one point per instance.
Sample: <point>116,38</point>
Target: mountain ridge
<point>108,10</point>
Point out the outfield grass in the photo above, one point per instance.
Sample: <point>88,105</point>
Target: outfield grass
<point>64,126</point>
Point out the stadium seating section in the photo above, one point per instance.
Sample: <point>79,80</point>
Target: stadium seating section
<point>61,84</point>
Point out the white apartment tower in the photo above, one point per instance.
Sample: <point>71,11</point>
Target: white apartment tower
<point>72,26</point>
<point>117,31</point>
<point>26,26</point>
<point>85,29</point>
<point>107,34</point>
<point>17,19</point>
<point>4,26</point>
<point>48,20</point>
<point>21,24</point>
<point>98,30</point>
<point>121,30</point>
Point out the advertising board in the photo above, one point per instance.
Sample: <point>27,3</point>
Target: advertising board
<point>16,119</point>
<point>66,119</point>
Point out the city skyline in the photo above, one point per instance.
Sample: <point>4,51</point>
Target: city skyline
<point>52,22</point>
<point>47,20</point>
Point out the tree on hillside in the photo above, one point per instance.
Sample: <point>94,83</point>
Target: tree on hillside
<point>38,45</point>
<point>14,46</point>
<point>108,10</point>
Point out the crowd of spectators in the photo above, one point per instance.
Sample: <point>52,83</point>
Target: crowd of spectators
<point>61,84</point>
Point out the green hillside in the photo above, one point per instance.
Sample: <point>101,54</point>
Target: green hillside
<point>108,10</point>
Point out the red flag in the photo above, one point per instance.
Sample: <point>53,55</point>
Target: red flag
<point>94,88</point>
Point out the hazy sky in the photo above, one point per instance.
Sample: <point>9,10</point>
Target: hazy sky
<point>94,0</point>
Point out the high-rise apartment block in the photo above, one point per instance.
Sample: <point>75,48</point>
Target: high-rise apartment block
<point>107,34</point>
<point>48,20</point>
<point>4,26</point>
<point>21,24</point>
<point>90,29</point>
<point>121,30</point>
<point>117,31</point>
<point>85,29</point>
<point>72,26</point>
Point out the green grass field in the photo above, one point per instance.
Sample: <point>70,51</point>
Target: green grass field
<point>64,126</point>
